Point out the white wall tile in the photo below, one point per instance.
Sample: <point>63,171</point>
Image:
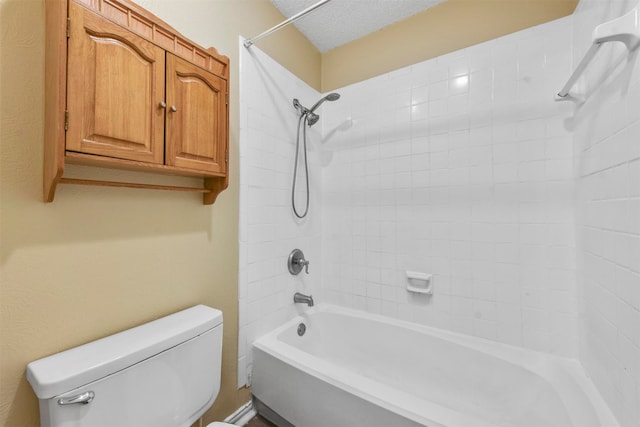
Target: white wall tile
<point>464,167</point>
<point>486,242</point>
<point>605,149</point>
<point>268,228</point>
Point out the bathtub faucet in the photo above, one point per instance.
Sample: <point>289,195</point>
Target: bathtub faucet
<point>302,298</point>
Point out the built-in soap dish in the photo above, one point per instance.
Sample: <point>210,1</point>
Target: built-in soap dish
<point>420,283</point>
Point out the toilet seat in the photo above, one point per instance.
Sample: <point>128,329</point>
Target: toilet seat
<point>220,424</point>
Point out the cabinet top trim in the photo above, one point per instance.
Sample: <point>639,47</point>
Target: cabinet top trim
<point>145,24</point>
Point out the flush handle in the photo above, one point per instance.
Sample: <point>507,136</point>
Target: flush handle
<point>81,399</point>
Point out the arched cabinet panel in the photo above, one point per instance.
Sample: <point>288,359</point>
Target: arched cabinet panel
<point>117,82</point>
<point>196,118</point>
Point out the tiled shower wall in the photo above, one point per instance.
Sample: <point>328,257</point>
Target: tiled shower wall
<point>460,167</point>
<point>463,167</point>
<point>607,148</point>
<point>268,228</point>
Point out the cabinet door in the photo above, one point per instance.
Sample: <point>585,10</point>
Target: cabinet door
<point>196,117</point>
<point>115,86</point>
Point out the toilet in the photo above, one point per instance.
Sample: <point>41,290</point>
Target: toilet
<point>165,373</point>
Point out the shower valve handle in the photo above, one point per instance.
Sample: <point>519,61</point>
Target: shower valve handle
<point>296,261</point>
<point>305,263</point>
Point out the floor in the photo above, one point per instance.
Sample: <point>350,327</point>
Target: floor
<point>258,421</point>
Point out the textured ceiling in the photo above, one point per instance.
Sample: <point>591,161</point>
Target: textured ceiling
<point>341,21</point>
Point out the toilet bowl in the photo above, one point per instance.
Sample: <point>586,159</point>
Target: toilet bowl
<point>165,373</point>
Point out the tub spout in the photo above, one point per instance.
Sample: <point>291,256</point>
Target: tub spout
<point>302,298</point>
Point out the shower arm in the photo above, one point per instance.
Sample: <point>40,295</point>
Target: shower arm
<point>247,43</point>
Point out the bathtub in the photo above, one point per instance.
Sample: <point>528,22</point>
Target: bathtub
<point>352,369</point>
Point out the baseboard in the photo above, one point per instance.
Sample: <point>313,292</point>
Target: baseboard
<point>242,415</point>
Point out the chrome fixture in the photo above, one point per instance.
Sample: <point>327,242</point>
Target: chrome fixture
<point>247,43</point>
<point>302,328</point>
<point>306,115</point>
<point>81,399</point>
<point>296,261</point>
<point>299,106</point>
<point>311,117</point>
<point>303,299</point>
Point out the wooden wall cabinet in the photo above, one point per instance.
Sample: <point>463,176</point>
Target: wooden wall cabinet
<point>125,90</point>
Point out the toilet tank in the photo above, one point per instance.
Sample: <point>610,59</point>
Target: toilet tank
<point>165,373</point>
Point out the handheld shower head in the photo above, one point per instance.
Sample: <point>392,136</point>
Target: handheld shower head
<point>331,97</point>
<point>312,118</point>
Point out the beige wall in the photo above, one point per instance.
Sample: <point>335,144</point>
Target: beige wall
<point>449,26</point>
<point>99,260</point>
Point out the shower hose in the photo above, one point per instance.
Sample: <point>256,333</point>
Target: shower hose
<point>301,121</point>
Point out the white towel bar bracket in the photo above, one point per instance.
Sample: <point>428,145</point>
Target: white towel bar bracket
<point>625,29</point>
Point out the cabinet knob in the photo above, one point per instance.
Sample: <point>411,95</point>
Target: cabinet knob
<point>173,108</point>
<point>162,104</point>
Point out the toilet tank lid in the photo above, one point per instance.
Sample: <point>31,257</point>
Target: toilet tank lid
<point>73,368</point>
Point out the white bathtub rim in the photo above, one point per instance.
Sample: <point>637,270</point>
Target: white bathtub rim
<point>545,365</point>
<point>370,390</point>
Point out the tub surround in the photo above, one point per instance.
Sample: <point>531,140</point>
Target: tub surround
<point>459,167</point>
<point>269,231</point>
<point>607,163</point>
<point>463,167</point>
